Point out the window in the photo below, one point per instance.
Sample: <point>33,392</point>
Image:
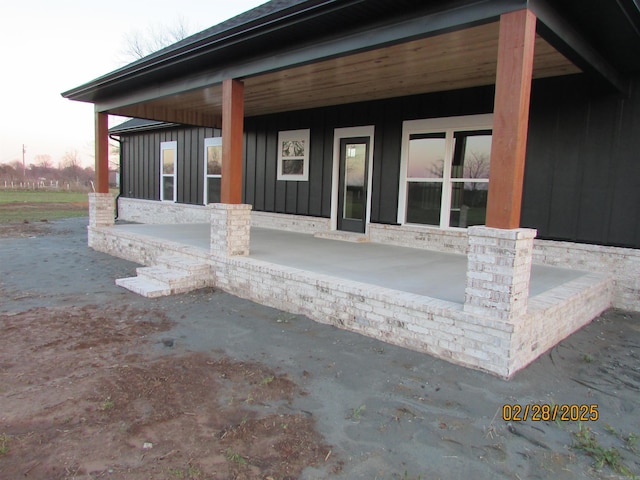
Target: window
<point>293,155</point>
<point>168,163</point>
<point>212,169</point>
<point>445,171</point>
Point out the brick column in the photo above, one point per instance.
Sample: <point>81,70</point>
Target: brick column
<point>498,271</point>
<point>230,229</point>
<point>102,209</point>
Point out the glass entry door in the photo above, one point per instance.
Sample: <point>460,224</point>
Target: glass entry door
<point>352,198</point>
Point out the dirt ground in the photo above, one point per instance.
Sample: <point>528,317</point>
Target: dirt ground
<point>23,230</point>
<point>84,396</point>
<point>96,382</point>
<point>25,218</point>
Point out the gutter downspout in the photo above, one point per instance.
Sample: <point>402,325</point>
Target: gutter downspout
<point>120,175</point>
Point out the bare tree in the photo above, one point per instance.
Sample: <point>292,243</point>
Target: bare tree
<point>476,165</point>
<point>70,165</point>
<point>71,159</point>
<point>17,165</point>
<point>10,171</point>
<point>43,161</point>
<point>114,155</point>
<point>140,43</point>
<point>436,169</point>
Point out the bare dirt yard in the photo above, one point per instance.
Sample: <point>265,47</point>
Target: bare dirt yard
<point>85,398</point>
<point>96,382</point>
<point>8,230</point>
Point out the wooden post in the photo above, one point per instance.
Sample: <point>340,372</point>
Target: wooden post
<point>511,118</point>
<point>232,140</point>
<point>102,152</point>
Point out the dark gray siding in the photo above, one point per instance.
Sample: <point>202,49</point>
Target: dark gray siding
<point>141,162</point>
<point>582,177</point>
<point>265,193</point>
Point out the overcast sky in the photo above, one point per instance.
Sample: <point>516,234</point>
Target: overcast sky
<point>51,46</point>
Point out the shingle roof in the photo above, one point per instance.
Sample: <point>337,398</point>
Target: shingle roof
<point>135,124</point>
<point>241,21</point>
<point>277,26</point>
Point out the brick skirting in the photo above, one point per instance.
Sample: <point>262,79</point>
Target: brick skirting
<point>437,327</point>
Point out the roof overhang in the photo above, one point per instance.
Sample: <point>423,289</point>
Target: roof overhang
<point>439,63</point>
<point>139,125</point>
<point>442,50</point>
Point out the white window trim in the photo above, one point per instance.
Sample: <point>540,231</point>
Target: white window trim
<point>447,125</point>
<point>303,135</point>
<point>209,142</point>
<point>169,146</point>
<point>339,134</point>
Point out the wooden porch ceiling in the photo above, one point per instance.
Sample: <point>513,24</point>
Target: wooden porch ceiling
<point>454,60</point>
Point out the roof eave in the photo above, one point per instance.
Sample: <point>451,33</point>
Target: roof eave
<point>141,128</point>
<point>560,33</point>
<point>470,13</point>
<point>254,28</point>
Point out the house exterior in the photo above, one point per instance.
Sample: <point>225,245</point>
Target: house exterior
<point>468,128</point>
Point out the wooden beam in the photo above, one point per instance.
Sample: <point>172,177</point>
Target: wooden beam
<point>102,152</point>
<point>232,140</point>
<point>511,118</point>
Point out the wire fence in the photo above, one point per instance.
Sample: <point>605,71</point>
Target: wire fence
<point>52,185</point>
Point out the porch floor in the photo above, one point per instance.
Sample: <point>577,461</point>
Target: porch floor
<point>423,272</point>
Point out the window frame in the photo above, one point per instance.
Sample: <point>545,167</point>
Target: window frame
<point>449,126</point>
<point>303,135</point>
<point>170,145</point>
<point>209,142</point>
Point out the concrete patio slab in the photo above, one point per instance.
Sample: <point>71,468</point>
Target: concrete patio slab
<point>422,272</point>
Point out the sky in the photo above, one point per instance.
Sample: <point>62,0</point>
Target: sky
<point>51,46</point>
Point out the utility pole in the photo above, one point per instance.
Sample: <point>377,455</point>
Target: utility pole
<point>24,165</point>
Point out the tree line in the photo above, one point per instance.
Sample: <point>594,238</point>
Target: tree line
<point>42,172</point>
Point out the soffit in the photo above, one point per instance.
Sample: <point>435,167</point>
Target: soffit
<point>454,60</point>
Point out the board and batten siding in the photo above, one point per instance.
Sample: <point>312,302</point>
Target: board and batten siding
<point>582,176</point>
<point>141,162</point>
<point>582,173</point>
<point>313,197</point>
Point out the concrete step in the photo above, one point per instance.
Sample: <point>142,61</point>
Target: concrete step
<point>174,274</point>
<point>186,264</point>
<point>343,236</point>
<point>179,280</point>
<point>144,286</point>
<point>163,274</point>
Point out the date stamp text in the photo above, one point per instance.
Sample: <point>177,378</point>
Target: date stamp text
<point>550,413</point>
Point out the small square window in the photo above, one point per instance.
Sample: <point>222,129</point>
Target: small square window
<point>293,155</point>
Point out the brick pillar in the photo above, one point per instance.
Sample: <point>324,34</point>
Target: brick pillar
<point>498,271</point>
<point>230,229</point>
<point>102,209</point>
